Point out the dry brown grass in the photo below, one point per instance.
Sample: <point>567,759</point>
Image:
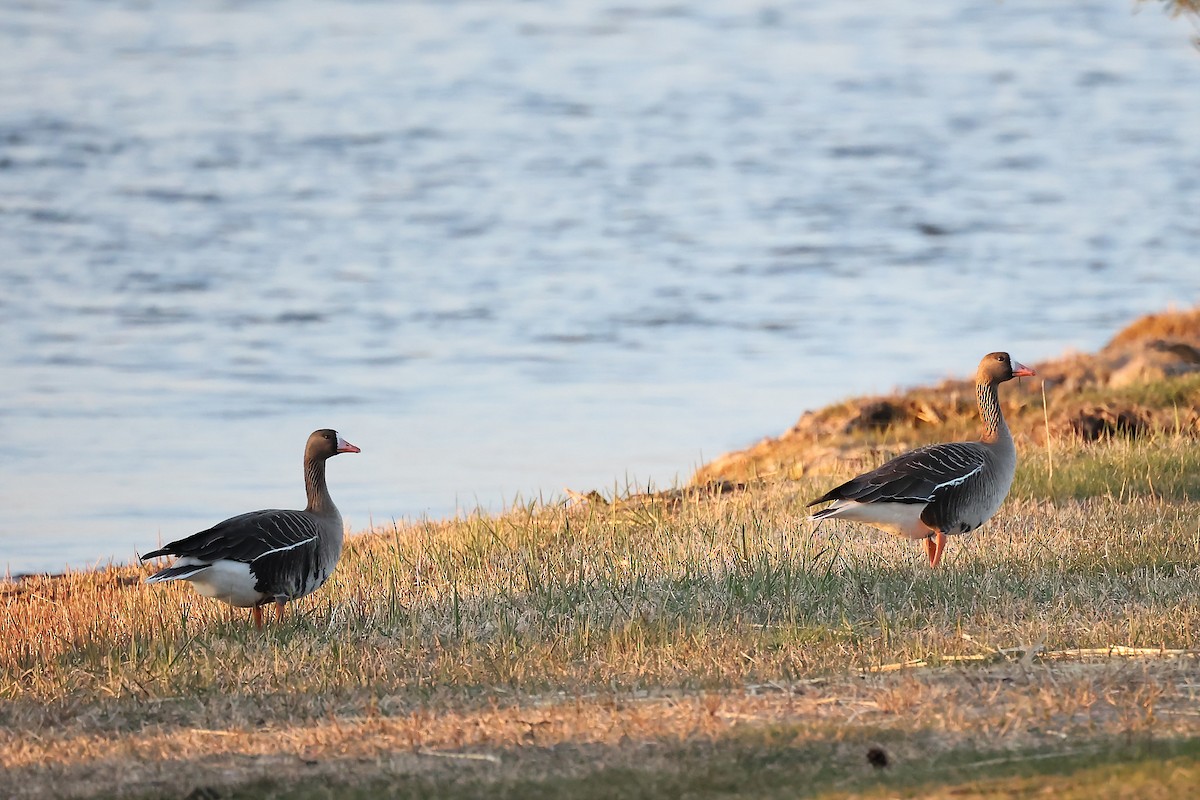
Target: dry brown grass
<point>657,636</point>
<point>1015,709</point>
<point>1181,324</point>
<point>712,593</point>
<point>612,628</point>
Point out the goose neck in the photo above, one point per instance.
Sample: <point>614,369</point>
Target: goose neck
<point>995,429</point>
<point>319,501</point>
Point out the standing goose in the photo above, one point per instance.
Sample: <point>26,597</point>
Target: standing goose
<point>251,559</point>
<point>942,489</point>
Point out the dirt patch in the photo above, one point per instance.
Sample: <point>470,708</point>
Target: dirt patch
<point>1013,705</point>
<point>1095,422</point>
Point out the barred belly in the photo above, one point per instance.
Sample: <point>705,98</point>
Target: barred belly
<point>292,578</point>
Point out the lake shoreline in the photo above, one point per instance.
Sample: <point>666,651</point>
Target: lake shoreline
<point>649,638</point>
<point>863,429</point>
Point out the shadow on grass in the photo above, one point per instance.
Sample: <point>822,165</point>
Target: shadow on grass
<point>767,764</point>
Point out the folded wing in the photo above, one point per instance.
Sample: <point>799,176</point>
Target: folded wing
<point>247,537</point>
<point>919,476</point>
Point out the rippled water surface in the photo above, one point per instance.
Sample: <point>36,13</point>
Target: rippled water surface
<point>507,247</point>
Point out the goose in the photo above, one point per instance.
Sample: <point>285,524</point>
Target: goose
<point>943,489</point>
<point>251,559</point>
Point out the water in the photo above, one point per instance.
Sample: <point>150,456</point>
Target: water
<point>511,247</point>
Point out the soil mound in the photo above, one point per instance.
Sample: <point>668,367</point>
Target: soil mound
<point>1145,381</point>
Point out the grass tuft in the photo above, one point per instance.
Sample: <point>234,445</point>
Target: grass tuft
<point>654,620</point>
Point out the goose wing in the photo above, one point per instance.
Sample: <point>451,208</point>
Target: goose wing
<point>918,476</point>
<point>247,537</point>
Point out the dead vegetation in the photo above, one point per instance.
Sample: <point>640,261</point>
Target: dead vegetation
<point>696,638</point>
<point>1144,382</point>
<point>907,721</point>
<point>559,641</point>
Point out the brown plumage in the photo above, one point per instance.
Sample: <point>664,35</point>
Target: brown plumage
<point>943,489</point>
<point>263,556</point>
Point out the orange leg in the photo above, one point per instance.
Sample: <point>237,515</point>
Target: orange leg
<point>257,617</point>
<point>279,611</point>
<point>934,545</point>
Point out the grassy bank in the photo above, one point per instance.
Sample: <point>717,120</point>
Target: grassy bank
<point>701,634</point>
